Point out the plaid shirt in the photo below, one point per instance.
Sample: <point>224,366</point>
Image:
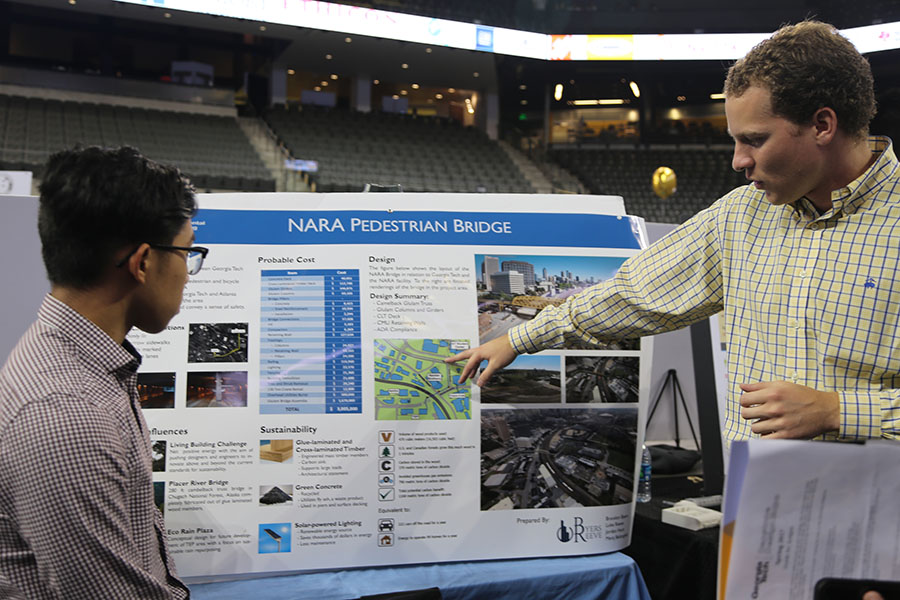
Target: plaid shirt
<point>77,516</point>
<point>809,298</point>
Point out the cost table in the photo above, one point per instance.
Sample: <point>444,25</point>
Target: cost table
<point>310,342</point>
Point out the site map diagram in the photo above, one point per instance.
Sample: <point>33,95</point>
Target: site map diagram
<point>412,381</point>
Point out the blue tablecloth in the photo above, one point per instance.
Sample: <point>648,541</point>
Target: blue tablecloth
<point>613,576</point>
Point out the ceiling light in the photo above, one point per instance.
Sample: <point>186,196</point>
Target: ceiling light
<point>395,97</point>
<point>451,90</point>
<point>291,72</point>
<point>404,66</point>
<point>557,92</point>
<point>377,81</point>
<point>71,1</point>
<point>523,86</point>
<point>431,101</point>
<point>719,96</point>
<point>167,15</point>
<point>317,88</point>
<point>427,50</point>
<point>328,57</point>
<point>262,27</point>
<point>323,83</point>
<point>476,74</point>
<point>333,76</point>
<point>348,39</point>
<point>635,89</point>
<point>523,102</point>
<point>681,98</point>
<point>415,86</point>
<point>602,101</point>
<point>439,96</point>
<point>403,92</point>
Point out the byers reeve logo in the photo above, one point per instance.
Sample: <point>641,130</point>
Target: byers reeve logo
<point>568,534</point>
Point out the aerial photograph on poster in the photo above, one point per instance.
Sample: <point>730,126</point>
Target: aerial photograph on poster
<point>602,378</point>
<point>412,381</point>
<point>513,289</point>
<point>529,379</point>
<point>217,342</point>
<point>557,457</point>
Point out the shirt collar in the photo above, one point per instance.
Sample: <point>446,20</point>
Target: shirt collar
<point>120,360</point>
<point>850,198</point>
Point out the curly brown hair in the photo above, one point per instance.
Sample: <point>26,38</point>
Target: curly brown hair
<point>806,67</point>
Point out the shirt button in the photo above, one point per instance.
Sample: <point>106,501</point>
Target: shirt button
<point>795,376</point>
<point>801,273</point>
<point>794,323</point>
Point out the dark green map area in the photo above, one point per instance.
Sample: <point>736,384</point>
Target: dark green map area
<point>412,381</point>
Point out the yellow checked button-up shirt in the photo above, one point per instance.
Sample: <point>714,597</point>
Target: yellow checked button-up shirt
<point>809,298</point>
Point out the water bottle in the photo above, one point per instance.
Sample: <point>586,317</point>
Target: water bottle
<point>643,493</point>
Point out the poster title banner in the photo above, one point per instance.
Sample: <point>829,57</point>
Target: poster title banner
<point>413,227</point>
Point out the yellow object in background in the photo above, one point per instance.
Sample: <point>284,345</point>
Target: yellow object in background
<point>664,182</point>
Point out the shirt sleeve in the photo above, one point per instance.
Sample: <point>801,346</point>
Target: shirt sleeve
<point>672,284</point>
<point>870,414</point>
<point>70,470</point>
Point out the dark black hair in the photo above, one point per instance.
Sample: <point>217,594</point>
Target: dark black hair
<point>95,201</point>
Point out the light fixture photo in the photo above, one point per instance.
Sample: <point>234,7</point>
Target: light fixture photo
<point>334,76</point>
<point>635,89</point>
<point>557,92</point>
<point>415,86</point>
<point>348,39</point>
<point>291,72</point>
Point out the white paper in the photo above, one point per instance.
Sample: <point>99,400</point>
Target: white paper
<point>810,510</point>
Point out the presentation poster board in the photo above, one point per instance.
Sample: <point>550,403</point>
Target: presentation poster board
<point>302,415</point>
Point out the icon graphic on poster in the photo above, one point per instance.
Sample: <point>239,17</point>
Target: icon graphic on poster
<point>385,479</point>
<point>386,539</point>
<point>386,451</point>
<point>274,537</point>
<point>386,436</point>
<point>386,464</point>
<point>385,524</point>
<point>386,494</point>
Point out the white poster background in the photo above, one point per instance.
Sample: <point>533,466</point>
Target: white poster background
<point>15,183</point>
<point>346,506</point>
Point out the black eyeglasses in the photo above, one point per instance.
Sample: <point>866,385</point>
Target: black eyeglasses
<point>194,257</point>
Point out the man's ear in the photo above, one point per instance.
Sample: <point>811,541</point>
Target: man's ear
<point>137,263</point>
<point>825,123</point>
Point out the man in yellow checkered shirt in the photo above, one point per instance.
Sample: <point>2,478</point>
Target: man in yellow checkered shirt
<point>803,259</point>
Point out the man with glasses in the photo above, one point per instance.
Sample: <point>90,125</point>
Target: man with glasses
<point>77,512</point>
